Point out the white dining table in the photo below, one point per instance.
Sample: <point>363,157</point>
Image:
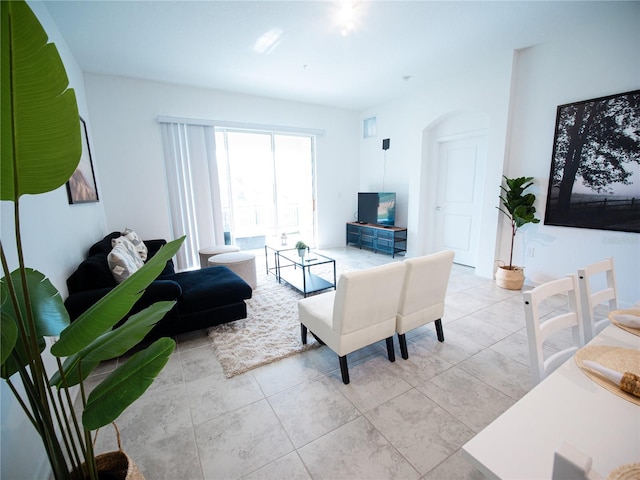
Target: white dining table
<point>566,407</point>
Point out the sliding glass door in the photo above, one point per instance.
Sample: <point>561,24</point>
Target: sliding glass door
<point>266,183</point>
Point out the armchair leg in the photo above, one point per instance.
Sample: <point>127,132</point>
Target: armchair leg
<point>344,369</point>
<point>403,345</point>
<point>439,330</point>
<point>390,350</point>
<point>303,334</point>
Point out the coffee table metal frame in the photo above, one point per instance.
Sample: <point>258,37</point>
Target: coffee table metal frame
<point>297,272</point>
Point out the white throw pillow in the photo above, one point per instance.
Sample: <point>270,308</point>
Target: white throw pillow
<point>137,242</point>
<point>121,261</point>
<point>130,249</point>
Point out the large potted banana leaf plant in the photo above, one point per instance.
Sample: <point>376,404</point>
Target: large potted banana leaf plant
<point>40,151</point>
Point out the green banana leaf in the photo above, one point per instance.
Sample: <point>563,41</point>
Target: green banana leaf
<point>8,327</point>
<point>50,317</point>
<point>111,308</point>
<point>49,313</point>
<point>8,336</point>
<point>126,384</point>
<point>41,144</point>
<point>18,357</point>
<point>110,345</point>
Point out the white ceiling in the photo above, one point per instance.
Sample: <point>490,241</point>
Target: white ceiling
<point>211,43</point>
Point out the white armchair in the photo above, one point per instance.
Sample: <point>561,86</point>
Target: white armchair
<point>361,311</point>
<point>422,300</point>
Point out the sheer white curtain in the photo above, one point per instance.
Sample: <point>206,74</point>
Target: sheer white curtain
<point>193,188</point>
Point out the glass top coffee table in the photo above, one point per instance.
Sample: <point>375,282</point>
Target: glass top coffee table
<point>310,274</point>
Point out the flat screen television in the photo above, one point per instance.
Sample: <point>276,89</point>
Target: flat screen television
<point>378,208</point>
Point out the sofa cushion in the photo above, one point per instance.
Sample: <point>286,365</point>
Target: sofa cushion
<point>93,273</point>
<point>209,288</point>
<point>104,246</point>
<point>152,248</point>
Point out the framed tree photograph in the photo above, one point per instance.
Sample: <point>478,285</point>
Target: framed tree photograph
<point>595,167</point>
<point>81,187</point>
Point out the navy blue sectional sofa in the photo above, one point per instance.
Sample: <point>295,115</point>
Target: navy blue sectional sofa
<point>206,297</point>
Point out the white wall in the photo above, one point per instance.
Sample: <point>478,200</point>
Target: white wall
<point>481,90</point>
<point>55,238</point>
<point>128,147</point>
<point>520,96</point>
<point>600,61</point>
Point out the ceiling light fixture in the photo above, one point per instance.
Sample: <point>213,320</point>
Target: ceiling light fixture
<point>346,18</point>
<point>268,41</point>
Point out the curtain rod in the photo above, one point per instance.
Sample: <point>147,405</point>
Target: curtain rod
<point>239,125</point>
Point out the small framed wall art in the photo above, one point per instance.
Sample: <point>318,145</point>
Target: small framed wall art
<point>81,187</point>
<point>595,167</point>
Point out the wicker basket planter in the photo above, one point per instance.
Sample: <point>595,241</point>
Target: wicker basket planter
<point>116,465</point>
<point>510,278</point>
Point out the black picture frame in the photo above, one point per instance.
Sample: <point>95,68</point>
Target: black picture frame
<point>594,181</point>
<point>82,187</point>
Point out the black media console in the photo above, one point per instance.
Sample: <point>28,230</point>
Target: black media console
<point>391,240</point>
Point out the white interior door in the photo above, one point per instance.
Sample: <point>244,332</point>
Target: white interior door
<point>459,194</point>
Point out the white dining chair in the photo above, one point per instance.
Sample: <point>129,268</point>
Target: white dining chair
<point>361,311</point>
<point>540,326</point>
<point>597,284</point>
<point>424,289</point>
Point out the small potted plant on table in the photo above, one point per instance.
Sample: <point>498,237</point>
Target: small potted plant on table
<point>302,248</point>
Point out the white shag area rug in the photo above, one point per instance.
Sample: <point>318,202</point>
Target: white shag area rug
<point>270,332</point>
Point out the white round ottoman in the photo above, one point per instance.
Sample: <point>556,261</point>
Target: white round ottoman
<point>242,263</point>
<point>207,252</point>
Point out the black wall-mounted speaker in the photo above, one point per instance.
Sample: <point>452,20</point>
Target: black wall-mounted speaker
<point>385,143</point>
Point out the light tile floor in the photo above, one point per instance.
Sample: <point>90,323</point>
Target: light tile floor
<point>295,419</point>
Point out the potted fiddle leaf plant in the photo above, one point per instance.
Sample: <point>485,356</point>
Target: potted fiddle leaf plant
<point>518,208</point>
<point>301,247</point>
<point>41,148</point>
